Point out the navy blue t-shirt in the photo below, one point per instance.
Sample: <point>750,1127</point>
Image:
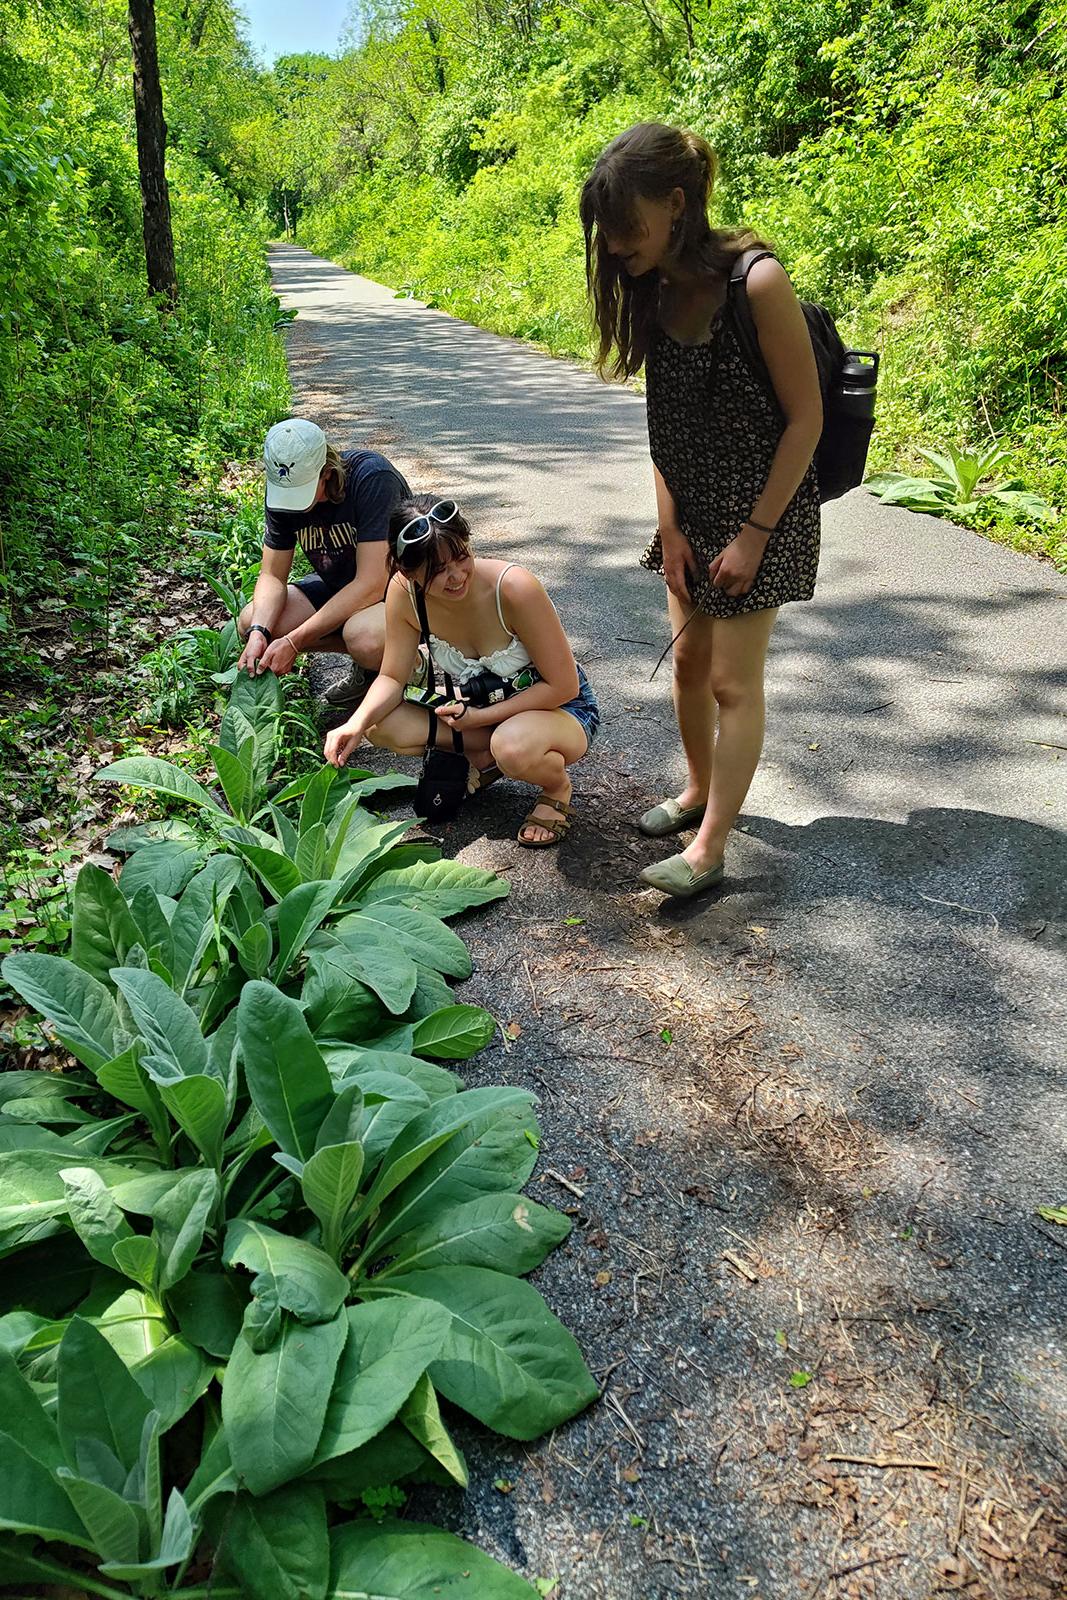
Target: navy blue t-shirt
<point>330,533</point>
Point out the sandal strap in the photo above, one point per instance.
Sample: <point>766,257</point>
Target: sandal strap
<point>564,807</point>
<point>554,825</point>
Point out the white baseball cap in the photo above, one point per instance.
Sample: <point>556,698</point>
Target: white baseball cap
<point>294,453</point>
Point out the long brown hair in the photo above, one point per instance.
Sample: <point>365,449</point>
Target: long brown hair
<point>448,541</point>
<point>333,472</point>
<point>650,159</point>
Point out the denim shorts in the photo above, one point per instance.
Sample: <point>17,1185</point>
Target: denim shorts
<point>583,708</point>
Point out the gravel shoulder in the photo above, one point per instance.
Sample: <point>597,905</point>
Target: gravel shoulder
<point>801,1128</point>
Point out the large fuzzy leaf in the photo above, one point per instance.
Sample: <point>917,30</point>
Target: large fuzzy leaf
<point>372,954</point>
<point>78,1005</point>
<point>506,1360</point>
<point>98,1399</point>
<point>287,1077</point>
<point>431,1129</point>
<point>421,1416</point>
<point>31,1501</point>
<point>389,1347</point>
<point>504,1231</point>
<point>180,1217</point>
<point>494,1151</point>
<point>289,1273</point>
<point>455,1033</point>
<point>329,1183</point>
<point>278,1546</point>
<point>274,1401</point>
<point>25,1418</point>
<point>280,875</point>
<point>97,1220</point>
<point>102,929</point>
<point>209,1310</point>
<point>413,1561</point>
<point>149,772</point>
<point>169,1027</point>
<point>194,921</point>
<point>299,914</point>
<point>336,1001</point>
<point>165,869</point>
<point>173,1377</point>
<point>442,888</point>
<point>425,938</point>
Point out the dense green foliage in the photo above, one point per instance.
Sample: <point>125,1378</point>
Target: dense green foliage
<point>118,413</point>
<point>258,1230</point>
<point>907,157</point>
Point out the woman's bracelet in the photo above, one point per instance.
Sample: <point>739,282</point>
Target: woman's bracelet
<point>287,638</point>
<point>760,527</point>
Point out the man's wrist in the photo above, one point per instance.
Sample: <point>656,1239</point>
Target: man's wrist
<point>261,627</point>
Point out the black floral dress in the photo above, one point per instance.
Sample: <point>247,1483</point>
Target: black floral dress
<point>712,432</point>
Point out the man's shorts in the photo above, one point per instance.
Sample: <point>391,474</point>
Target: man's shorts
<point>315,589</point>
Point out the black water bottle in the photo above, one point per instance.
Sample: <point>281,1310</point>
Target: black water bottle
<point>848,425</point>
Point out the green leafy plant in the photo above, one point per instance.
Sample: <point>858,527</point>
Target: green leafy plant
<point>266,1226</point>
<point>962,486</point>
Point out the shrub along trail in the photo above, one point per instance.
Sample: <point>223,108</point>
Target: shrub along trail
<point>803,1127</point>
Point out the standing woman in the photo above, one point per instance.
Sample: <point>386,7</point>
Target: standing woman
<point>736,494</point>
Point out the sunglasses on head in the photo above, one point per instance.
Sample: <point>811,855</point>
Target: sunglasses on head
<point>420,528</point>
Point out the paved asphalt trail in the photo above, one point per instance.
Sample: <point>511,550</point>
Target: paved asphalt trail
<point>861,1091</point>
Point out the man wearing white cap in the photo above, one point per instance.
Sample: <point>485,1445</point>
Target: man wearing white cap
<point>336,507</point>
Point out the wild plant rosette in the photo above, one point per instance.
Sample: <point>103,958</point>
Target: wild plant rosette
<point>260,1231</point>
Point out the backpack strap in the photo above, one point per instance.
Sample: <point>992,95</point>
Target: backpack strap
<point>431,687</point>
<point>744,323</point>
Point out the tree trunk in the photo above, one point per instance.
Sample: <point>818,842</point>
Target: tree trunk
<point>151,151</point>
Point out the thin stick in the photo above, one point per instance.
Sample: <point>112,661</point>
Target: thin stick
<point>975,910</point>
<point>566,1182</point>
<point>533,991</point>
<point>891,1461</point>
<point>872,1561</point>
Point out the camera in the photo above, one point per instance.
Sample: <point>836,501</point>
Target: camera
<point>488,688</point>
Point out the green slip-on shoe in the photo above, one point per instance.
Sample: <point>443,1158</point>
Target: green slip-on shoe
<point>676,877</point>
<point>669,817</point>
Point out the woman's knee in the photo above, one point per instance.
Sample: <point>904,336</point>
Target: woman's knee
<point>692,665</point>
<point>734,691</point>
<point>244,621</point>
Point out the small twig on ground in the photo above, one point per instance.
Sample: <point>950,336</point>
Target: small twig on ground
<point>961,1507</point>
<point>533,991</point>
<point>871,1561</point>
<point>975,910</point>
<point>741,1267</point>
<point>891,1461</point>
<point>565,1182</point>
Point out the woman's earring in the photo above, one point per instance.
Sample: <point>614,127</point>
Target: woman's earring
<point>676,228</point>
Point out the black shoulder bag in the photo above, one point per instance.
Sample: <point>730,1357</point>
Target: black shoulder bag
<point>848,380</point>
<point>442,786</point>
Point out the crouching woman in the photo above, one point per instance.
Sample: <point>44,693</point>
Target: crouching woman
<point>523,705</point>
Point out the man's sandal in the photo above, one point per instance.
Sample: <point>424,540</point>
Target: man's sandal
<point>669,817</point>
<point>556,826</point>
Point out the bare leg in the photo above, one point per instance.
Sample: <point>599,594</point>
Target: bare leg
<point>738,657</point>
<point>537,747</point>
<point>694,703</point>
<point>405,731</point>
<point>298,609</point>
<point>364,636</point>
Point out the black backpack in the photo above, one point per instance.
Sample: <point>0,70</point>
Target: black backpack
<point>848,380</point>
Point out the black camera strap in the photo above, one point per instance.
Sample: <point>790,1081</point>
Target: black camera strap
<point>431,687</point>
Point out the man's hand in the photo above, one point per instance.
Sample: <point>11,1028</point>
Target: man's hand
<point>280,656</point>
<point>734,569</point>
<point>342,742</point>
<point>251,657</point>
<point>679,563</point>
